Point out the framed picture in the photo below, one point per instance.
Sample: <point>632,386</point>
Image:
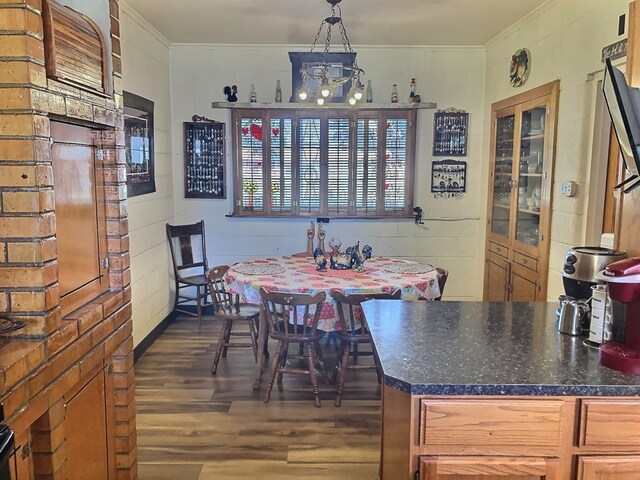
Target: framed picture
<point>138,136</point>
<point>302,59</point>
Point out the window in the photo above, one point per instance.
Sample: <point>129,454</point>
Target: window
<point>328,162</point>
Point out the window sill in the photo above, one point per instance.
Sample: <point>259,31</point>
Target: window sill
<point>306,217</point>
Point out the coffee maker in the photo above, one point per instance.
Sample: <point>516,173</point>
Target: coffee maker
<point>623,279</point>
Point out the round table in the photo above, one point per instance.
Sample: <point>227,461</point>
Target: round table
<point>300,275</point>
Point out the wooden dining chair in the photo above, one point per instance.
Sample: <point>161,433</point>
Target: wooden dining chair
<point>228,308</point>
<point>293,318</point>
<point>442,280</point>
<point>353,333</point>
<point>189,256</point>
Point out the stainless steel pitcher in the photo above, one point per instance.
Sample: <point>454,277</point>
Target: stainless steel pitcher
<point>571,318</point>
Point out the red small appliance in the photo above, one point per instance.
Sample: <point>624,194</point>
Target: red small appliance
<point>623,279</point>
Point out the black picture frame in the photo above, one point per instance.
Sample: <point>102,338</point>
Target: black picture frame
<point>139,151</point>
<point>298,59</point>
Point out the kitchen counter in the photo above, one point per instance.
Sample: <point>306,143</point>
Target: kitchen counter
<point>481,348</point>
<point>477,389</point>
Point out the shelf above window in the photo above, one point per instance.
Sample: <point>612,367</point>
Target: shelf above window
<point>330,106</point>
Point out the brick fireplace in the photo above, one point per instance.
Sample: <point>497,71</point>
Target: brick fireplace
<point>53,370</point>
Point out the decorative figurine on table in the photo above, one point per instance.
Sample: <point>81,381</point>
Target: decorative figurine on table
<point>357,258</point>
<point>352,258</point>
<point>321,235</point>
<point>319,258</point>
<point>311,232</point>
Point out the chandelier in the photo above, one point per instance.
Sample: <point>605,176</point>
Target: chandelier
<point>325,76</point>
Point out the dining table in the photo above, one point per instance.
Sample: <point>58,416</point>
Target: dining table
<point>300,274</point>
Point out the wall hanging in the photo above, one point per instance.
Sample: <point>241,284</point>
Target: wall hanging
<point>448,178</point>
<point>204,159</point>
<point>520,67</point>
<point>450,133</point>
<point>138,139</point>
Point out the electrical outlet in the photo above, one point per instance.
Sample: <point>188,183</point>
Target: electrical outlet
<point>569,189</point>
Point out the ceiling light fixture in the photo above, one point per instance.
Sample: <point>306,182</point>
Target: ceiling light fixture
<point>325,76</point>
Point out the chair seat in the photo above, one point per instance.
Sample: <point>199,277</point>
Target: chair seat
<point>244,310</point>
<point>195,280</point>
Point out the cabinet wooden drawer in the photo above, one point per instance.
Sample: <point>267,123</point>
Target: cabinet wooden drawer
<point>526,261</point>
<point>499,249</point>
<point>490,423</point>
<point>610,423</point>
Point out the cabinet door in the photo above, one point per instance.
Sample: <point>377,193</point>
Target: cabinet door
<point>502,180</point>
<point>524,287</point>
<point>22,469</point>
<point>531,125</point>
<point>609,468</point>
<point>488,468</point>
<point>86,427</point>
<point>496,279</point>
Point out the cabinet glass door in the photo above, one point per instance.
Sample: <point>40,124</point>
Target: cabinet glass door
<point>530,168</point>
<point>503,176</point>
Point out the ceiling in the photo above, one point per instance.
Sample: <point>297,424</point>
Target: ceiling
<point>368,22</point>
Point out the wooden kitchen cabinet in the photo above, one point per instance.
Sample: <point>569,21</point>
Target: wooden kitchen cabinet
<point>609,468</point>
<point>488,468</point>
<point>523,130</point>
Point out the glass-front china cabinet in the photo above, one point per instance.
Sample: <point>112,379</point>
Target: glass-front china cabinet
<point>523,132</point>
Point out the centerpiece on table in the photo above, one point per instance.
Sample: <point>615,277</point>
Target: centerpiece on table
<point>351,259</point>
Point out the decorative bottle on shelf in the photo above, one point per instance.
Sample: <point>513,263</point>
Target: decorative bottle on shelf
<point>278,92</point>
<point>253,98</point>
<point>369,92</point>
<point>413,89</point>
<point>394,94</point>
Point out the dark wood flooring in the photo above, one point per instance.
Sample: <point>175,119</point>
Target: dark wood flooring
<point>196,426</point>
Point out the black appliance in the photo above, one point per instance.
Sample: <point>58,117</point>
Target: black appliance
<point>580,266</point>
<point>623,103</point>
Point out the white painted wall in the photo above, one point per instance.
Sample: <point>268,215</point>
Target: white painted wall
<point>565,38</point>
<point>145,65</point>
<point>452,234</point>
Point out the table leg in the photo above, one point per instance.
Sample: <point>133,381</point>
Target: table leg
<point>263,330</point>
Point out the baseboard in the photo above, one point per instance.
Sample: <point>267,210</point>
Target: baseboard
<point>149,340</point>
<point>208,310</point>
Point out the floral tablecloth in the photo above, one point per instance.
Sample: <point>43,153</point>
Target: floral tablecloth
<point>299,274</point>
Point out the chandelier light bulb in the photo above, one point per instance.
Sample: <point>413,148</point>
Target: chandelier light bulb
<point>320,101</point>
<point>357,95</point>
<point>353,100</point>
<point>302,95</point>
<point>325,91</point>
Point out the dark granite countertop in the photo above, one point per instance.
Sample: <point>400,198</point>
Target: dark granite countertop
<point>482,348</point>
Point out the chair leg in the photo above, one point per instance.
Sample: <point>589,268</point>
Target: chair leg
<point>310,352</point>
<point>253,333</point>
<point>376,361</point>
<point>320,360</point>
<point>227,337</point>
<point>342,373</point>
<point>199,308</point>
<point>280,350</point>
<point>220,347</point>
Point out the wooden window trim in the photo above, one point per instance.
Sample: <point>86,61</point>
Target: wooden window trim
<point>381,116</point>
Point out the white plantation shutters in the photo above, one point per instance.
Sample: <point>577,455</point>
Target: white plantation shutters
<point>336,163</point>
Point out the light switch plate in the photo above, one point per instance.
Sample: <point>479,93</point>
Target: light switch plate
<point>569,189</point>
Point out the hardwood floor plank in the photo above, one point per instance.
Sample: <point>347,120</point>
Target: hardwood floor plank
<point>196,426</point>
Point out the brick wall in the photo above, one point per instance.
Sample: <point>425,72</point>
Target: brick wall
<point>41,362</point>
